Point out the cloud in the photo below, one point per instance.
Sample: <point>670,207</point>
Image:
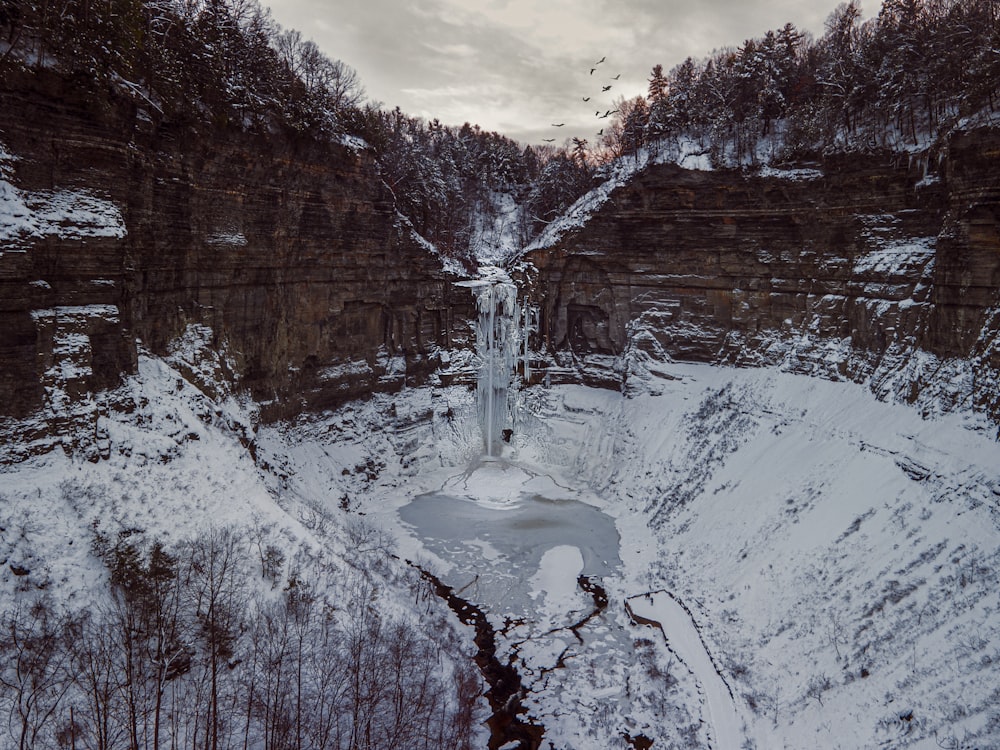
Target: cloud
<point>516,66</point>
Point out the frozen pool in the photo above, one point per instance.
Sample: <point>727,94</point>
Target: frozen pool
<point>514,541</point>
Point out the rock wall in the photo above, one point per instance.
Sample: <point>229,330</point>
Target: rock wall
<point>880,269</point>
<point>284,254</point>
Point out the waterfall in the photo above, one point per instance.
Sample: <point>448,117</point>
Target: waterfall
<point>500,344</point>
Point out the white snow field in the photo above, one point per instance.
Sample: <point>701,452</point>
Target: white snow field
<point>837,556</point>
<point>662,611</point>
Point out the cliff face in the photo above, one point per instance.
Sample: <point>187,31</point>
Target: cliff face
<point>884,270</point>
<point>284,255</point>
<point>279,266</point>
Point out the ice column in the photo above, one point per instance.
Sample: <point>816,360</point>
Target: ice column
<point>498,346</point>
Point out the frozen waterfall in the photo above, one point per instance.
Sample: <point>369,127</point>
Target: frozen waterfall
<point>500,341</point>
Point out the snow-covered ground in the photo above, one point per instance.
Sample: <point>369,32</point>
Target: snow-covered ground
<point>662,611</point>
<point>837,556</point>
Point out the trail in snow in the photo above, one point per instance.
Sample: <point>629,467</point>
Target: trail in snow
<point>660,609</point>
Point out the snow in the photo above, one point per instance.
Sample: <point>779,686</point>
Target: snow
<point>897,258</point>
<point>66,214</point>
<point>76,313</point>
<point>555,581</point>
<point>837,556</point>
<point>496,235</point>
<point>353,368</point>
<point>234,238</point>
<point>726,730</point>
<point>620,173</point>
<point>355,143</point>
<point>684,151</point>
<point>779,508</point>
<point>796,175</point>
<point>449,264</point>
<point>497,485</point>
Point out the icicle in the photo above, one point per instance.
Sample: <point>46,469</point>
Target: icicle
<point>498,338</point>
<point>525,333</point>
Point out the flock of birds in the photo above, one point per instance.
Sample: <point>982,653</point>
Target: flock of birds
<point>597,114</point>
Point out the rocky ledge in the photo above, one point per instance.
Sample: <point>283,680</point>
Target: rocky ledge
<point>876,268</point>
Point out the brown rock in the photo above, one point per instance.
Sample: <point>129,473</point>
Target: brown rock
<point>290,251</point>
<point>850,275</point>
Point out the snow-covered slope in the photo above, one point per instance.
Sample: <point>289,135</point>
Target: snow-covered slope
<point>179,469</point>
<point>836,557</point>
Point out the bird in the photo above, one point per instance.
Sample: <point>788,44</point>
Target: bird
<point>617,77</point>
<point>601,131</point>
<point>605,88</point>
<point>605,114</point>
<point>592,71</point>
<point>548,140</point>
<point>597,113</point>
<point>558,124</point>
<point>601,60</point>
<point>586,98</point>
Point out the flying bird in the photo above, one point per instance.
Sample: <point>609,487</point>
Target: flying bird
<point>605,88</point>
<point>586,98</point>
<point>548,140</point>
<point>601,131</point>
<point>617,77</point>
<point>592,71</point>
<point>558,124</point>
<point>601,60</point>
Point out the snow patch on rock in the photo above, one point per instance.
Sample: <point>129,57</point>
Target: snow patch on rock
<point>65,214</point>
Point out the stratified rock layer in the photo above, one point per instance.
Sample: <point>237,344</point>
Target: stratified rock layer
<point>284,254</point>
<point>874,268</point>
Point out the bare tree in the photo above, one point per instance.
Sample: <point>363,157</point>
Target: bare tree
<point>216,589</point>
<point>98,677</point>
<point>33,670</point>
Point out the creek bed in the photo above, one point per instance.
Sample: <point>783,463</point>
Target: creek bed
<point>525,556</point>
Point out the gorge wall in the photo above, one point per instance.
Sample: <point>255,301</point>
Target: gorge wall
<point>278,266</point>
<point>879,269</point>
<point>283,255</point>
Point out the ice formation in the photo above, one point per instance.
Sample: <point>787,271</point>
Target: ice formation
<point>499,346</point>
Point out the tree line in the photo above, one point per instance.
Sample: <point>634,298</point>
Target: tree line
<point>227,62</point>
<point>194,649</point>
<point>221,61</point>
<point>450,181</point>
<point>904,76</point>
<point>898,79</point>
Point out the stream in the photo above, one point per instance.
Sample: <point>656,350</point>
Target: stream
<point>521,558</point>
<point>521,554</point>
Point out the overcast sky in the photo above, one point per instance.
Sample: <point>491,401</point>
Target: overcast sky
<point>521,66</point>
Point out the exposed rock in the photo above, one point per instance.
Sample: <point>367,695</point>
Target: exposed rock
<point>884,269</point>
<point>287,251</point>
